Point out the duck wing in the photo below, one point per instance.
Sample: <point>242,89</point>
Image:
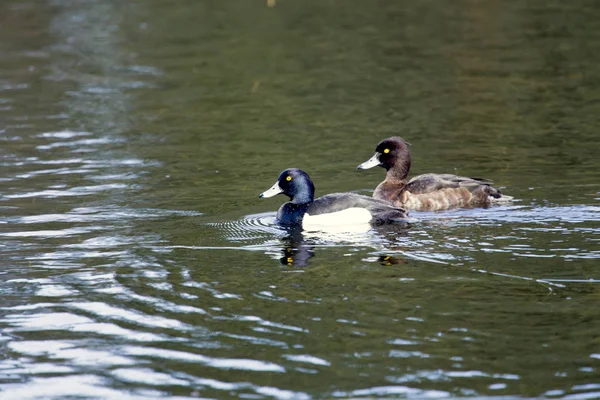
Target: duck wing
<point>340,201</point>
<point>428,183</point>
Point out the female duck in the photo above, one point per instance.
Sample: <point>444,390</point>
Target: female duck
<point>428,191</point>
<point>329,210</point>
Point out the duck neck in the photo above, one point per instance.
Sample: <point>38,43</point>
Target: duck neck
<point>302,198</point>
<point>305,195</point>
<point>399,170</point>
<point>292,213</point>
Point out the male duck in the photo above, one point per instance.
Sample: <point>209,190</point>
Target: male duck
<point>329,210</point>
<point>427,191</point>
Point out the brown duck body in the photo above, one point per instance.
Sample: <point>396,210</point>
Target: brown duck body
<point>437,192</point>
<point>427,191</point>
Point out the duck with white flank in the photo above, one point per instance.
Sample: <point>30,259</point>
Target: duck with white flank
<point>329,210</point>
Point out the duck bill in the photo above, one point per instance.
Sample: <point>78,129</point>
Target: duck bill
<point>273,191</point>
<point>371,162</point>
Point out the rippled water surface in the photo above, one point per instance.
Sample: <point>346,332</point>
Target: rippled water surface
<point>138,262</point>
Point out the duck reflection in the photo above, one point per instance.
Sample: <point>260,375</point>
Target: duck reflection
<point>296,250</point>
<point>298,247</point>
<point>391,260</point>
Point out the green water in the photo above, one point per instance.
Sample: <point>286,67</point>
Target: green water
<point>138,262</point>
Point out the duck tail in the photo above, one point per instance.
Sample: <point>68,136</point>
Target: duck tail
<point>495,196</point>
<point>396,215</point>
<point>501,199</point>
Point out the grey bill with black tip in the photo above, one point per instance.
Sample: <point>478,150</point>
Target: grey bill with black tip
<point>273,191</point>
<point>370,163</point>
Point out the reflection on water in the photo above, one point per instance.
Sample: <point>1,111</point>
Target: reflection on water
<point>410,241</point>
<point>138,263</point>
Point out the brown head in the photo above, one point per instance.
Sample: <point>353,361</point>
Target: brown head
<point>393,155</point>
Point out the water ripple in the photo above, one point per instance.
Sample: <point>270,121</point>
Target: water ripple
<point>215,362</point>
<point>74,191</point>
<point>250,227</point>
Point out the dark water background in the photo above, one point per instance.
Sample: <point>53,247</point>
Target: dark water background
<point>138,262</point>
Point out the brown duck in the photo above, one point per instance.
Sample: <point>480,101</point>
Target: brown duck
<point>427,191</point>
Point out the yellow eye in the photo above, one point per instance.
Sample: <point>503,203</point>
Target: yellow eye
<point>386,151</point>
<point>289,178</point>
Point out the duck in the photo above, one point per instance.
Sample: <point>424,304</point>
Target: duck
<point>427,191</point>
<point>329,210</point>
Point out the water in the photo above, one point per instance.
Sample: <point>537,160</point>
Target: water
<point>138,262</point>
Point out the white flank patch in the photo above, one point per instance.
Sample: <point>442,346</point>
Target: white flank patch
<point>348,220</point>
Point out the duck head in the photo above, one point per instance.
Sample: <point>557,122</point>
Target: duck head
<point>392,154</point>
<point>295,184</point>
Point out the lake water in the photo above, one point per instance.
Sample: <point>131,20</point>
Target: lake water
<point>138,262</point>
